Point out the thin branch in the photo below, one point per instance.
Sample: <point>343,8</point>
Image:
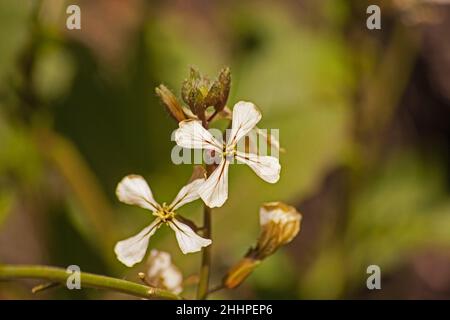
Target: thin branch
<point>53,274</point>
<point>205,269</point>
<point>45,286</point>
<point>216,288</point>
<point>211,117</point>
<point>202,291</point>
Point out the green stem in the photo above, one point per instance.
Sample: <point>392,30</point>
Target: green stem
<point>202,291</point>
<point>205,269</point>
<point>8,272</point>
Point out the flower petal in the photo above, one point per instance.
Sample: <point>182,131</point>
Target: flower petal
<point>187,239</point>
<point>266,167</point>
<point>280,223</point>
<point>245,117</point>
<point>214,191</point>
<point>132,250</point>
<point>192,135</point>
<point>187,194</point>
<point>278,212</point>
<point>133,189</point>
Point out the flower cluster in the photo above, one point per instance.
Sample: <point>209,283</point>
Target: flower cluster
<point>279,222</point>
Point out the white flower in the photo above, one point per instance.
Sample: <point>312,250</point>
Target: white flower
<point>133,189</point>
<point>191,134</point>
<point>162,273</point>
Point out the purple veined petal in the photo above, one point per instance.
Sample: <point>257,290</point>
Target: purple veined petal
<point>187,239</point>
<point>266,167</point>
<point>214,191</point>
<point>132,250</point>
<point>187,194</point>
<point>134,190</point>
<point>245,117</point>
<point>192,135</point>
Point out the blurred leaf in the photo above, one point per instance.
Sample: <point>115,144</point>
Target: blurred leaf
<point>326,277</point>
<point>295,67</point>
<point>18,154</point>
<point>6,203</point>
<point>54,72</point>
<point>272,284</point>
<point>13,32</point>
<point>398,212</point>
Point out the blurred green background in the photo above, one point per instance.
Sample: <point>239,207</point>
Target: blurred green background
<point>363,116</point>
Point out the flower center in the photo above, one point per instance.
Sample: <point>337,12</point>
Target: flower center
<point>229,152</point>
<point>165,214</point>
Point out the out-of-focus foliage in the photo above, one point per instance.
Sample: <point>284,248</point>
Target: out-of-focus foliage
<point>78,111</point>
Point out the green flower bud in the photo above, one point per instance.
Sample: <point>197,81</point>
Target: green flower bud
<point>199,93</point>
<point>219,91</point>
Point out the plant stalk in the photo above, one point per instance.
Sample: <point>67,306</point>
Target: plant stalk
<point>205,269</point>
<point>59,275</point>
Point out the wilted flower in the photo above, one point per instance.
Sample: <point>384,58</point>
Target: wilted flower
<point>133,189</point>
<point>191,134</point>
<point>280,223</point>
<point>239,272</point>
<point>162,273</point>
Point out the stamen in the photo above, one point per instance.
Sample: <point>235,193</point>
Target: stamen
<point>229,152</point>
<point>165,214</point>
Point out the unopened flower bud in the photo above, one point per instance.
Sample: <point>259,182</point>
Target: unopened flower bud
<point>171,103</point>
<point>200,93</point>
<point>194,91</point>
<point>219,91</point>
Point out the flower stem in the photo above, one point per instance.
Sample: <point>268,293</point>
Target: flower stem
<point>202,290</point>
<point>60,275</point>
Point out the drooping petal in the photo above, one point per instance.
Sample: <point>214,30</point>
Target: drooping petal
<point>245,117</point>
<point>187,239</point>
<point>132,250</point>
<point>192,135</point>
<point>266,167</point>
<point>133,189</point>
<point>214,191</point>
<point>187,194</point>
